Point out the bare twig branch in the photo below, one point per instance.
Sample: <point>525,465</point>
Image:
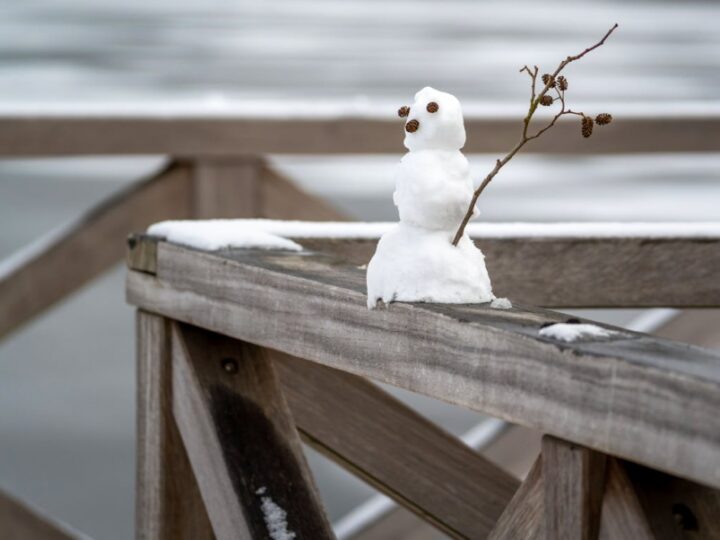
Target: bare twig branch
<point>525,138</point>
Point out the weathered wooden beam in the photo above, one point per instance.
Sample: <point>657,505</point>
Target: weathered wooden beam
<point>523,517</point>
<point>167,502</point>
<point>18,521</point>
<point>387,444</point>
<point>91,245</point>
<point>622,517</point>
<point>630,395</point>
<point>513,450</point>
<point>565,272</point>
<point>675,509</point>
<point>585,272</point>
<point>241,441</point>
<point>574,487</point>
<point>77,134</point>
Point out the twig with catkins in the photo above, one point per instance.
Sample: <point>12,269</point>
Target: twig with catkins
<point>553,83</point>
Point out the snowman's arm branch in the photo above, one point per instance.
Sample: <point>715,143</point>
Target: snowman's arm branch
<point>526,137</point>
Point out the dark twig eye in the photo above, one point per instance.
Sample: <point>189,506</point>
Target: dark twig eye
<point>403,111</point>
<point>432,107</point>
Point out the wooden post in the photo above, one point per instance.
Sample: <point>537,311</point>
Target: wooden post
<point>241,440</point>
<point>168,504</point>
<point>227,187</point>
<point>574,484</point>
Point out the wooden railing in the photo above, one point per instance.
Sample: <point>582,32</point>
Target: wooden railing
<point>268,347</point>
<point>305,132</point>
<point>217,169</point>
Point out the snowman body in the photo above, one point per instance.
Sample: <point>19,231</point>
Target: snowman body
<point>415,261</point>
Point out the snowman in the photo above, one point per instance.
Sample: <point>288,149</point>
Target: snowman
<point>416,261</point>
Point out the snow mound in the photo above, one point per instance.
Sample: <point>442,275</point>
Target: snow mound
<point>572,332</point>
<point>501,303</point>
<point>217,234</point>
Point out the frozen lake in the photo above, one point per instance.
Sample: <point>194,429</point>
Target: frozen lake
<point>67,380</point>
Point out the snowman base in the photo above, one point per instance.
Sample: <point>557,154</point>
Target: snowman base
<point>416,265</point>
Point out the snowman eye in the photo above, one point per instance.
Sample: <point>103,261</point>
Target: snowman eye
<point>432,107</point>
<point>403,111</point>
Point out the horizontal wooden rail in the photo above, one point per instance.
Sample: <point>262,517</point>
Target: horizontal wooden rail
<point>648,400</point>
<point>76,134</point>
<point>572,271</point>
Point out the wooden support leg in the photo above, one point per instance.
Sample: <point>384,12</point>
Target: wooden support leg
<point>523,516</point>
<point>574,483</point>
<point>58,266</point>
<point>362,428</point>
<point>168,503</point>
<point>241,440</point>
<point>675,508</point>
<point>622,516</point>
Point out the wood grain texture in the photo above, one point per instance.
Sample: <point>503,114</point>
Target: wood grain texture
<point>243,446</point>
<point>226,188</point>
<point>18,521</point>
<point>387,444</point>
<point>622,516</point>
<point>514,451</point>
<point>676,509</point>
<point>523,517</point>
<point>591,272</point>
<point>168,505</point>
<point>141,254</point>
<point>573,489</point>
<point>90,246</point>
<point>634,396</point>
<point>196,136</point>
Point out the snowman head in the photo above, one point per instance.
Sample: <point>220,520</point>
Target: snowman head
<point>433,122</point>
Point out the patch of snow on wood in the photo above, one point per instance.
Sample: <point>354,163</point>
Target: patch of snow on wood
<point>230,228</point>
<point>571,332</point>
<point>217,234</point>
<point>501,303</point>
<point>275,518</point>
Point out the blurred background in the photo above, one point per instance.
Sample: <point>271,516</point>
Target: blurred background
<point>67,379</point>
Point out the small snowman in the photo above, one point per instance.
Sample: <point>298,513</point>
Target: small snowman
<point>416,261</point>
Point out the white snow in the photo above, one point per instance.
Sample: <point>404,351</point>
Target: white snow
<point>501,303</point>
<point>275,518</point>
<point>433,188</point>
<point>417,265</point>
<point>217,234</point>
<point>233,232</point>
<point>415,260</point>
<point>572,332</point>
<point>443,129</point>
